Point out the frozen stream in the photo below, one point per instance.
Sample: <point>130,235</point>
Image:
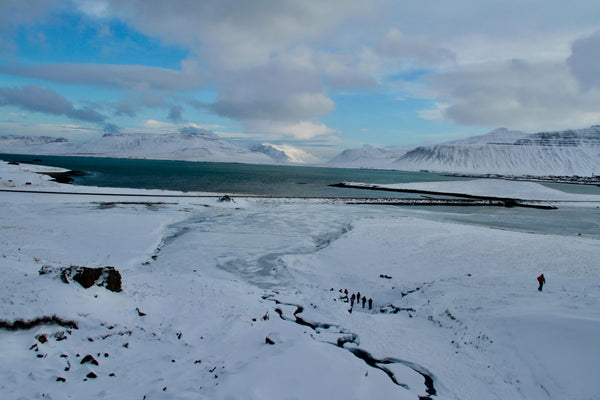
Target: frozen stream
<point>248,242</point>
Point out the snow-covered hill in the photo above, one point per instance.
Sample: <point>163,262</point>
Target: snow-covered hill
<point>366,157</point>
<point>285,153</point>
<point>569,152</point>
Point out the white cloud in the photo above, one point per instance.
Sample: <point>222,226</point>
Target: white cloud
<point>516,95</point>
<point>302,130</point>
<point>419,49</point>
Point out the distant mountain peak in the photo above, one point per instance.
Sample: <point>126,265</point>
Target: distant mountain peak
<point>366,156</point>
<point>285,153</point>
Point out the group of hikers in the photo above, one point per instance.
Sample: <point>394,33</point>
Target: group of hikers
<point>356,297</point>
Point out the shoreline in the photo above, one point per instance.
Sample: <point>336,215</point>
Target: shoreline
<point>594,180</point>
<point>489,200</point>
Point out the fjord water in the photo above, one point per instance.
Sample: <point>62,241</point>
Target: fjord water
<point>270,180</point>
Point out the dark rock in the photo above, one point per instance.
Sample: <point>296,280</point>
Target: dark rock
<point>92,375</point>
<point>24,325</point>
<point>141,314</point>
<point>269,341</point>
<point>60,379</point>
<point>89,359</point>
<point>225,199</point>
<point>108,277</point>
<point>41,338</point>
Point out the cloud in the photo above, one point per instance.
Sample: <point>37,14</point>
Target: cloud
<point>45,100</point>
<point>583,62</point>
<point>196,130</point>
<point>111,128</point>
<point>419,50</point>
<point>255,55</point>
<point>175,113</point>
<point>303,130</point>
<point>514,94</point>
<point>234,34</point>
<point>132,102</point>
<point>136,77</point>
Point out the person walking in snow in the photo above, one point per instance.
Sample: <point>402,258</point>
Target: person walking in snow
<point>541,280</point>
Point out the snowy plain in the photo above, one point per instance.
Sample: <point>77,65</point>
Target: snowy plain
<point>456,313</point>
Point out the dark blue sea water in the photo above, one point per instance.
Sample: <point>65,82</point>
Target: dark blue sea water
<point>274,180</point>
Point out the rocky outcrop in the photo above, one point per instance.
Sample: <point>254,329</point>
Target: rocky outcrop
<point>108,277</point>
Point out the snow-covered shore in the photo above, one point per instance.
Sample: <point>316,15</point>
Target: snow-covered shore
<point>456,312</point>
<point>490,188</point>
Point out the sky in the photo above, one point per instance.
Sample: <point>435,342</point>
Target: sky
<point>322,75</point>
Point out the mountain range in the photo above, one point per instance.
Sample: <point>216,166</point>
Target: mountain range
<point>501,151</point>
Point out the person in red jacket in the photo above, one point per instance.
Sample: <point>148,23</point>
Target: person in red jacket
<point>541,281</point>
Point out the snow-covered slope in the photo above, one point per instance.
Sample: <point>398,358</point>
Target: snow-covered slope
<point>570,152</point>
<point>366,157</point>
<point>35,145</point>
<point>285,153</point>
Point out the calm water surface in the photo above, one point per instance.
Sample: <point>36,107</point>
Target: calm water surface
<point>274,180</point>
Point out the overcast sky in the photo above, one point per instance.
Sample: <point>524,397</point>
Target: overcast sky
<point>323,74</point>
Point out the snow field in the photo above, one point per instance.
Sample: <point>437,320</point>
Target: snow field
<point>215,280</point>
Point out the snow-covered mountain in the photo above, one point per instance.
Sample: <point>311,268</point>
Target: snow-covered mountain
<point>569,152</point>
<point>285,153</point>
<point>367,157</point>
<point>174,146</point>
<point>194,146</point>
